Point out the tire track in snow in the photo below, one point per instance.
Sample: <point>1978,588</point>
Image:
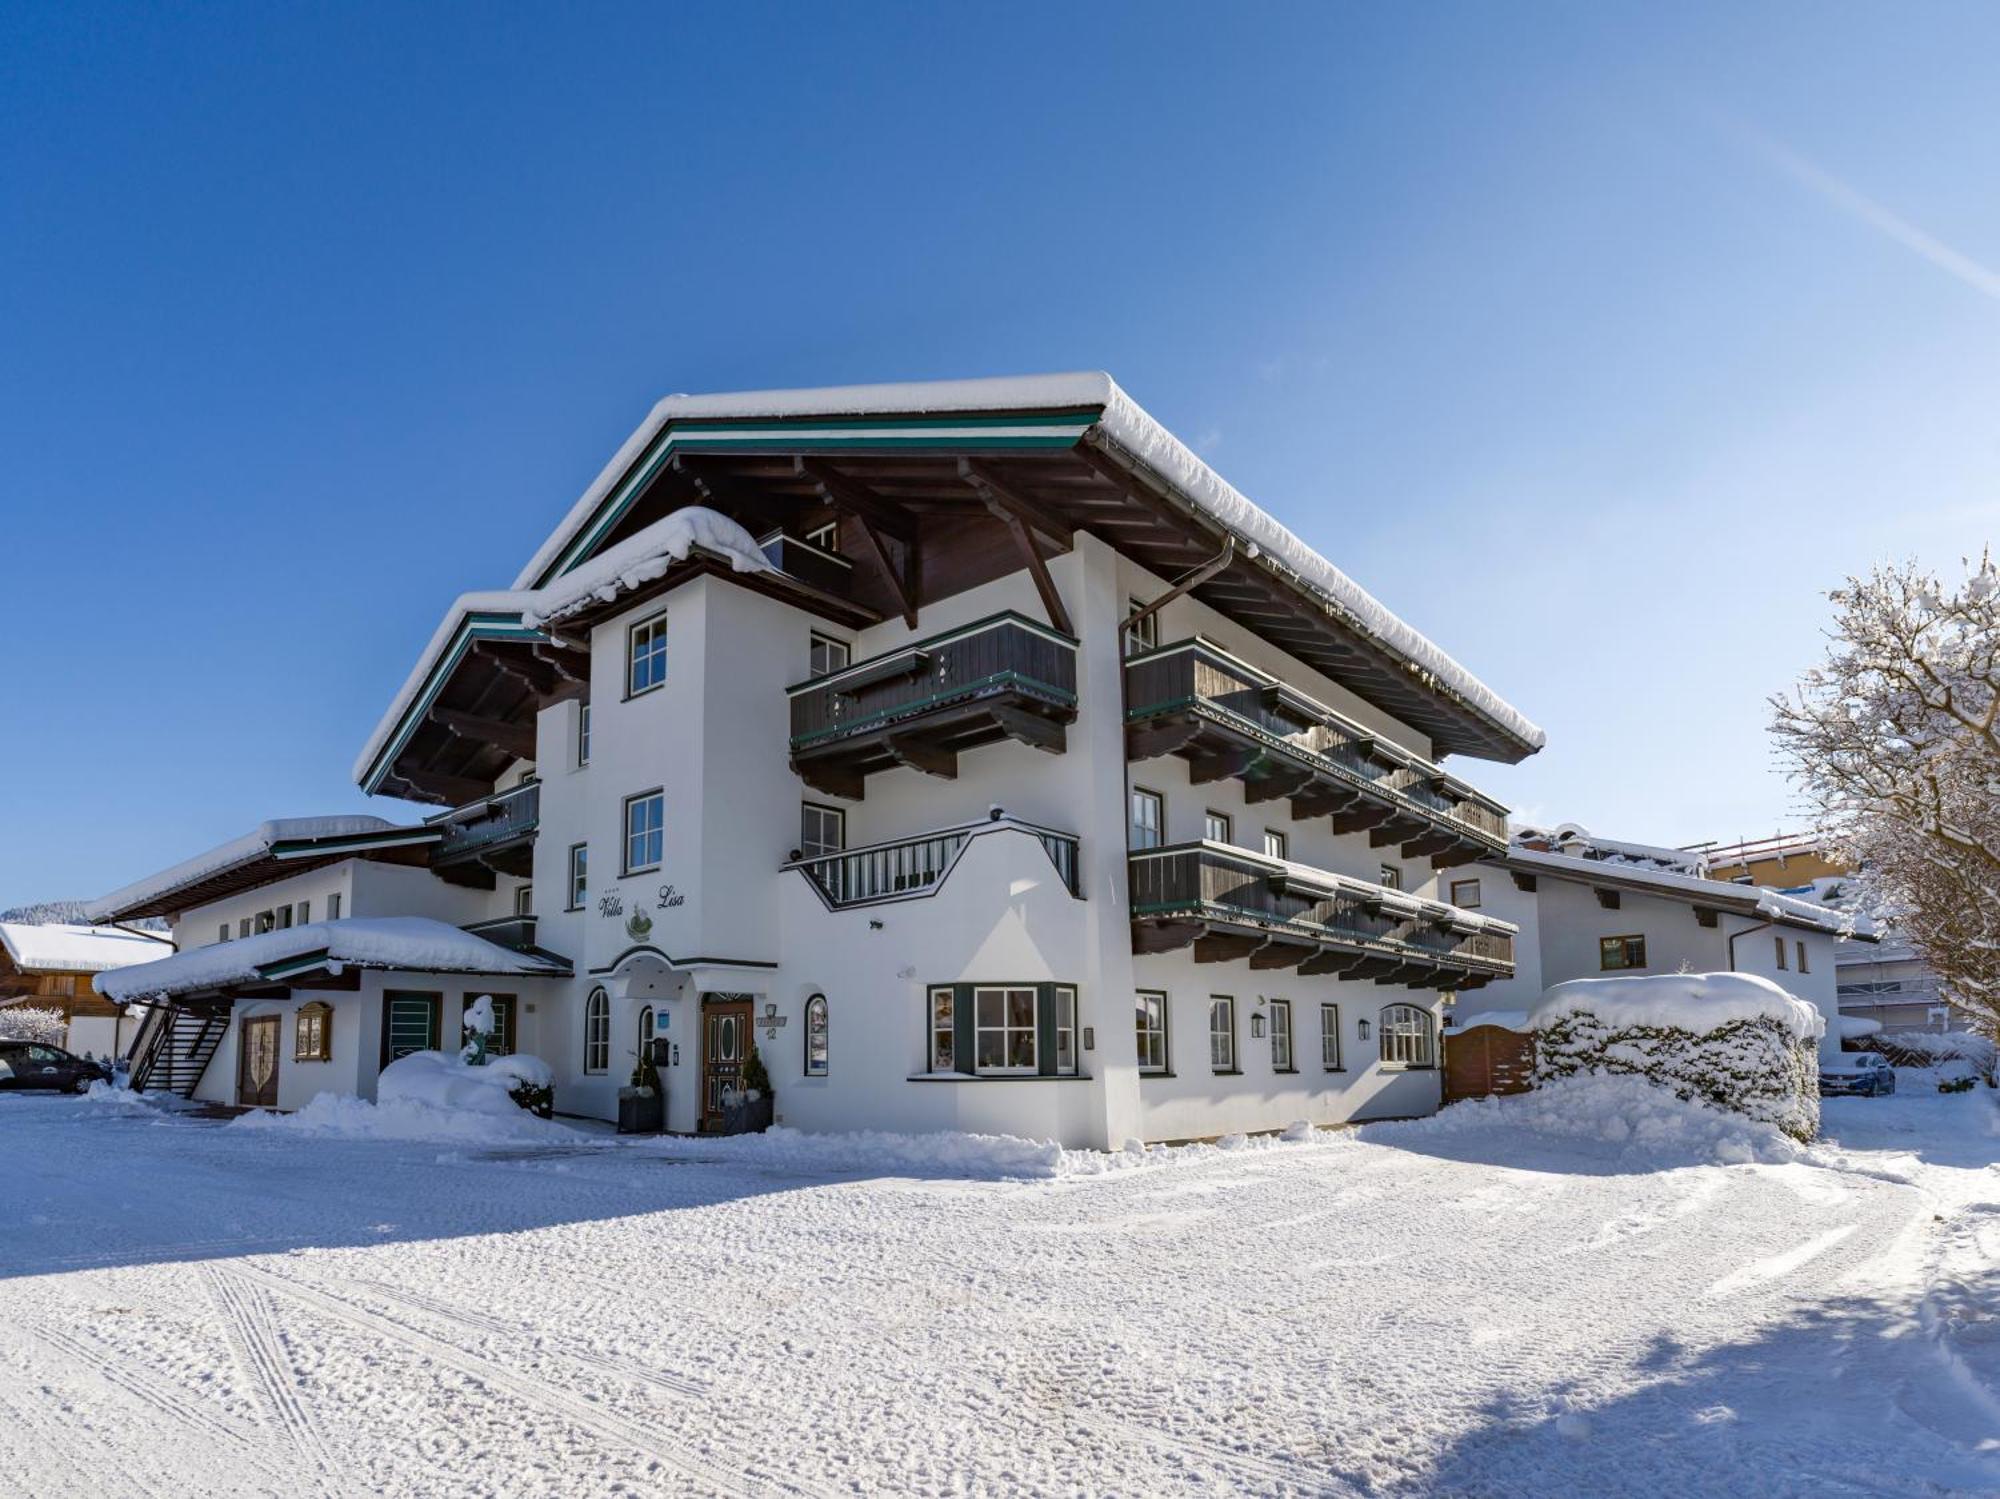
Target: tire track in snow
<point>1196,1453</point>
<point>253,1336</point>
<point>678,1457</point>
<point>149,1390</point>
<point>61,1441</point>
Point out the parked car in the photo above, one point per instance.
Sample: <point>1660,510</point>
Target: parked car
<point>1866,1073</point>
<point>31,1064</point>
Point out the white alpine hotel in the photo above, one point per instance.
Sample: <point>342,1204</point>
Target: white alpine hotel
<point>971,749</point>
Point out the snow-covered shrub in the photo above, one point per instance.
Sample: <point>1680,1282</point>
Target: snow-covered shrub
<point>441,1080</point>
<point>22,1023</point>
<point>1731,1040</point>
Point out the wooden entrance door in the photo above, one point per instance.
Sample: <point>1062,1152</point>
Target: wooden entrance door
<point>725,1046</point>
<point>257,1064</point>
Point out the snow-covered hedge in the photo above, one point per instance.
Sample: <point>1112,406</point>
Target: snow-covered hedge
<point>444,1080</point>
<point>23,1023</point>
<point>1732,1040</point>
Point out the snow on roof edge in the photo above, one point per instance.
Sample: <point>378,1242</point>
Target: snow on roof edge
<point>63,947</point>
<point>251,846</point>
<point>1769,902</point>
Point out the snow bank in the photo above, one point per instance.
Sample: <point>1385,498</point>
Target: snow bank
<point>441,1080</point>
<point>412,1119</point>
<point>1732,1040</point>
<point>1644,1120</point>
<point>643,557</point>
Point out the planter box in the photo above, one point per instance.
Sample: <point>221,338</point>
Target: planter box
<point>748,1116</point>
<point>641,1111</point>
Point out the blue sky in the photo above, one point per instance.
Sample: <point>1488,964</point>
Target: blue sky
<point>1597,340</point>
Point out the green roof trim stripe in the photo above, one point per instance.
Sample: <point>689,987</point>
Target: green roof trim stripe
<point>1029,429</point>
<point>482,625</point>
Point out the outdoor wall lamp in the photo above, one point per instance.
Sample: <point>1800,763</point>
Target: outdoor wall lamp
<point>1257,1021</point>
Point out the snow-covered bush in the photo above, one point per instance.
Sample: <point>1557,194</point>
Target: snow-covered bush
<point>1731,1040</point>
<point>22,1023</point>
<point>442,1080</point>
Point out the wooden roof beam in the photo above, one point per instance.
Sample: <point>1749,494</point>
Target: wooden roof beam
<point>517,739</point>
<point>999,495</point>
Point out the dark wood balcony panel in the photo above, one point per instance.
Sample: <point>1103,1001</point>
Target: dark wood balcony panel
<point>1230,721</point>
<point>923,704</point>
<point>1233,906</point>
<point>494,835</point>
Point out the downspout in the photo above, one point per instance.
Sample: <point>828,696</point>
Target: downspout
<point>1759,927</point>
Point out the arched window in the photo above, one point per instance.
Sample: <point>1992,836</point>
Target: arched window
<point>816,1036</point>
<point>645,1029</point>
<point>1406,1036</point>
<point>597,1032</point>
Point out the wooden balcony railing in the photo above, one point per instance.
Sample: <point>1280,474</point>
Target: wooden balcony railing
<point>905,868</point>
<point>1229,903</point>
<point>1227,718</point>
<point>922,704</point>
<point>495,833</point>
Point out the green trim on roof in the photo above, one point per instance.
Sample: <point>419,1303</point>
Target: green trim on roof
<point>476,626</point>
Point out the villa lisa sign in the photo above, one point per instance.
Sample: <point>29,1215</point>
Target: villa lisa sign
<point>666,898</point>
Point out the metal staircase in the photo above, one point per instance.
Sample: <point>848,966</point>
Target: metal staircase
<point>174,1046</point>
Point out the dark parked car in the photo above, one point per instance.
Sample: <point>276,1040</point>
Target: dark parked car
<point>30,1064</point>
<point>1863,1072</point>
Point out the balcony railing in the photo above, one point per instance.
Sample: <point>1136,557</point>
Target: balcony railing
<point>1196,700</point>
<point>906,868</point>
<point>922,704</point>
<point>1229,903</point>
<point>496,832</point>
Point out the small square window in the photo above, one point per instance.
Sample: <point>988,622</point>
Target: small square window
<point>1392,877</point>
<point>822,830</point>
<point>1465,894</point>
<point>1621,952</point>
<point>1276,844</point>
<point>646,664</point>
<point>827,655</point>
<point>1215,827</point>
<point>645,831</point>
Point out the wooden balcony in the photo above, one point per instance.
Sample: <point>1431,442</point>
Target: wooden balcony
<point>1228,904</point>
<point>923,704</point>
<point>493,835</point>
<point>907,868</point>
<point>1227,719</point>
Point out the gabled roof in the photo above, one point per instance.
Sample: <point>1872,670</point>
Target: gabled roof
<point>294,955</point>
<point>77,949</point>
<point>1641,879</point>
<point>271,850</point>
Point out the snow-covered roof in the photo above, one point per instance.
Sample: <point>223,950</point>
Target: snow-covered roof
<point>76,949</point>
<point>1123,423</point>
<point>1688,1001</point>
<point>1576,840</point>
<point>324,835</point>
<point>412,944</point>
<point>1785,909</point>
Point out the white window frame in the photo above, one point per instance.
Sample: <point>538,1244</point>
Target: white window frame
<point>579,875</point>
<point>1277,845</point>
<point>524,900</point>
<point>582,735</point>
<point>657,797</point>
<point>1406,1037</point>
<point>826,537</point>
<point>1149,1032</point>
<point>597,1033</point>
<point>1391,877</point>
<point>1145,635</point>
<point>941,1021</point>
<point>1282,1051</point>
<point>815,1064</point>
<point>1217,827</point>
<point>1063,997</point>
<point>1141,797</point>
<point>651,634</point>
<point>821,654</point>
<point>1222,1038</point>
<point>1009,1030</point>
<point>1329,1038</point>
<point>809,813</point>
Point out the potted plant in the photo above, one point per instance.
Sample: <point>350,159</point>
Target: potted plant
<point>750,1110</point>
<point>642,1107</point>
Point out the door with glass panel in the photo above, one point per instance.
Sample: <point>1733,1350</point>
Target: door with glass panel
<point>257,1064</point>
<point>725,1047</point>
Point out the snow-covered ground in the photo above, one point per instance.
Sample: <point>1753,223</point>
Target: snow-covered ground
<point>1509,1300</point>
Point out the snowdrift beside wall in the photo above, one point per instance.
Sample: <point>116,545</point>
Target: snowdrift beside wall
<point>1733,1040</point>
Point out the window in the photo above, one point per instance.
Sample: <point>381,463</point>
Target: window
<point>648,1028</point>
<point>822,830</point>
<point>285,920</point>
<point>1144,635</point>
<point>816,1036</point>
<point>333,907</point>
<point>312,1033</point>
<point>1065,1028</point>
<point>1801,947</point>
<point>827,655</point>
<point>1465,894</point>
<point>305,912</point>
<point>1151,1024</point>
<point>1281,1036</point>
<point>645,820</point>
<point>1215,827</point>
<point>1276,844</point>
<point>582,734</point>
<point>409,1023</point>
<point>1621,952</point>
<point>524,900</point>
<point>646,659</point>
<point>1004,1030</point>
<point>501,1042</point>
<point>1392,877</point>
<point>579,874</point>
<point>1329,1037</point>
<point>225,933</point>
<point>944,1030</point>
<point>243,928</point>
<point>1149,819</point>
<point>826,537</point>
<point>1406,1036</point>
<point>1222,1033</point>
<point>597,1032</point>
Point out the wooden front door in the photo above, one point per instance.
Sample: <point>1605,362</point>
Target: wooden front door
<point>725,1046</point>
<point>257,1064</point>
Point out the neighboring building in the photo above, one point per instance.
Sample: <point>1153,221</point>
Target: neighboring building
<point>1020,775</point>
<point>1590,907</point>
<point>52,967</point>
<point>1784,861</point>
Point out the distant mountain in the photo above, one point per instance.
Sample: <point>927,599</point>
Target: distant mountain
<point>69,913</point>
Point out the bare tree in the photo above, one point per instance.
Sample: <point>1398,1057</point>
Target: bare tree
<point>1896,739</point>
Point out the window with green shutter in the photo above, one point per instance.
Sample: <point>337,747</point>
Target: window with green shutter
<point>409,1023</point>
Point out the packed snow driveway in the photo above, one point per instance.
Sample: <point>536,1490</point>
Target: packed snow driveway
<point>1497,1302</point>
